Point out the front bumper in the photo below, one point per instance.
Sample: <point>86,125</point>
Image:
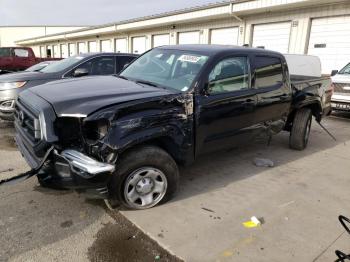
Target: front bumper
<point>70,169</point>
<point>341,102</point>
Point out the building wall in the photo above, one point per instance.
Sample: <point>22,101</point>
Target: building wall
<point>300,15</point>
<point>298,38</point>
<point>9,35</point>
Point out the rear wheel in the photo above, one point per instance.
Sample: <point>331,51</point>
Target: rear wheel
<point>299,135</point>
<point>145,177</point>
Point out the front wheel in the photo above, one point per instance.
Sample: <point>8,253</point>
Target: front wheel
<point>299,135</point>
<point>145,177</point>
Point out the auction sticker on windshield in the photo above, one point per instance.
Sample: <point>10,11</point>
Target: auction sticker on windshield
<point>190,58</point>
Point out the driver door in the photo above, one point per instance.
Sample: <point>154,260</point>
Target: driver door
<point>226,110</point>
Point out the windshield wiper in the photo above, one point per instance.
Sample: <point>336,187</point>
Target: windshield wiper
<point>146,83</point>
<point>122,77</point>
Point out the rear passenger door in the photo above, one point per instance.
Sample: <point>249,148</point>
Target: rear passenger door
<point>272,84</point>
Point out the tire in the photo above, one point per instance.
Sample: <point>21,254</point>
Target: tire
<point>145,177</point>
<point>299,135</point>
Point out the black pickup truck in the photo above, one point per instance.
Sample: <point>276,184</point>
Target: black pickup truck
<point>122,137</point>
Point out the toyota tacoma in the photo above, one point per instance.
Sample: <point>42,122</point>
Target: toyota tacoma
<point>122,137</point>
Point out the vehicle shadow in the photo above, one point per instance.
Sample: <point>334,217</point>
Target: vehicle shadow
<point>218,170</point>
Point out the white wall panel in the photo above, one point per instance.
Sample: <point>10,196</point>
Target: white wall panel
<point>64,51</point>
<point>72,49</point>
<point>139,44</point>
<point>160,40</point>
<point>330,41</point>
<point>121,45</point>
<point>273,36</point>
<point>42,51</point>
<point>189,38</point>
<point>82,48</point>
<point>56,53</point>
<point>224,36</point>
<point>92,46</point>
<point>106,46</point>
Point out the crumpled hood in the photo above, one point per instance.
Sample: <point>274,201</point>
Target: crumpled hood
<point>86,95</point>
<point>25,76</point>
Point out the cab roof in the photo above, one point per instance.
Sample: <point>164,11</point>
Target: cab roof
<point>217,49</point>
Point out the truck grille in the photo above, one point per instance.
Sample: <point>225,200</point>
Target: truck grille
<point>341,88</point>
<point>27,122</point>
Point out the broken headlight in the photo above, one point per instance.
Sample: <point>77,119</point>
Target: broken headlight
<point>95,130</point>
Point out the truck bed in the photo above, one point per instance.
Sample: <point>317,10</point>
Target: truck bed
<point>316,86</point>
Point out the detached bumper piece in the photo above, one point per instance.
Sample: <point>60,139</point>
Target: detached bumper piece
<point>85,165</point>
<point>69,169</point>
<point>7,109</point>
<point>73,170</point>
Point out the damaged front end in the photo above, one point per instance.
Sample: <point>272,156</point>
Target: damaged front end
<point>76,151</point>
<point>55,150</point>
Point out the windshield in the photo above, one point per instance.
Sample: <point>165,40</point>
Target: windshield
<point>37,67</point>
<point>174,69</point>
<point>5,52</point>
<point>345,70</point>
<point>61,65</point>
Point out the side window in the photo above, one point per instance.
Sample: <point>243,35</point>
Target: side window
<point>103,66</point>
<point>229,75</point>
<point>124,60</point>
<point>268,72</point>
<point>21,52</point>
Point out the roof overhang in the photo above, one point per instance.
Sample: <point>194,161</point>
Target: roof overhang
<point>219,10</point>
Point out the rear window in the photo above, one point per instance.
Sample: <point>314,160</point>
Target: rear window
<point>62,64</point>
<point>5,52</point>
<point>268,72</point>
<point>21,52</point>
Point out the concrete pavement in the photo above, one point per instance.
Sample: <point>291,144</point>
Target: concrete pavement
<point>299,200</point>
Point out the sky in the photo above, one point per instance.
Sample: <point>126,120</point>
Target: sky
<point>85,12</point>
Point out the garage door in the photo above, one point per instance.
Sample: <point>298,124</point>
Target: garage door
<point>329,40</point>
<point>121,45</point>
<point>72,49</point>
<point>56,53</point>
<point>274,36</point>
<point>159,40</point>
<point>92,46</point>
<point>106,46</point>
<point>224,36</point>
<point>81,48</point>
<point>64,51</point>
<point>189,38</point>
<point>138,44</point>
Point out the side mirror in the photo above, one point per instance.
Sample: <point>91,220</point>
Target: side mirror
<point>334,72</point>
<point>79,72</point>
<point>206,89</point>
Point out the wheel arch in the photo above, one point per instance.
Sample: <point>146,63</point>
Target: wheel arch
<point>316,110</point>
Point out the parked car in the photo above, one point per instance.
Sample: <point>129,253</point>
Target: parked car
<point>122,137</point>
<point>75,66</point>
<point>19,58</point>
<point>341,83</point>
<point>39,66</point>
